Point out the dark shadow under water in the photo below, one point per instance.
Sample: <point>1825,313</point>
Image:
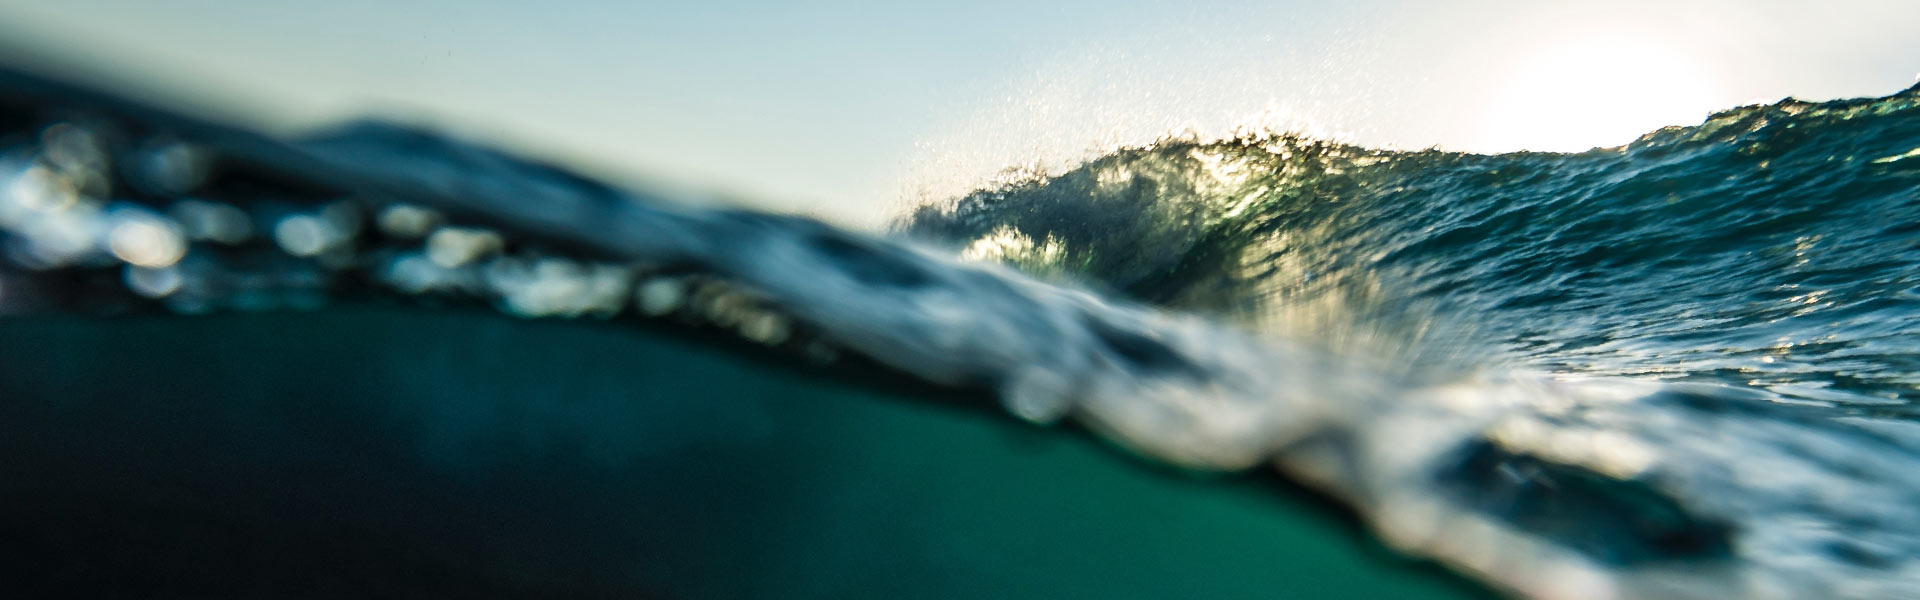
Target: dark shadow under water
<point>372,451</point>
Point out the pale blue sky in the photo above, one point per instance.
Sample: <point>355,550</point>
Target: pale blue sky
<point>845,109</point>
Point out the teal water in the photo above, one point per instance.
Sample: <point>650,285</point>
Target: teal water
<point>1773,246</point>
<point>1679,368</point>
<point>1763,266</point>
<point>381,451</point>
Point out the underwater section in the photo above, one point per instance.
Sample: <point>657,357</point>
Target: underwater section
<point>370,449</point>
<point>1680,368</point>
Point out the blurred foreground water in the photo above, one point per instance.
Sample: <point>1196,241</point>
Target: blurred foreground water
<point>380,451</point>
<point>1679,368</point>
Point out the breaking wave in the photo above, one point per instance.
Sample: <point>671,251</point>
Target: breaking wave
<point>1683,367</point>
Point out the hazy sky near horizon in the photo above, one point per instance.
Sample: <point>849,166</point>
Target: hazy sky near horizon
<point>845,110</point>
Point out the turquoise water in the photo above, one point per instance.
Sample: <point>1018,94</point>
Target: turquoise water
<point>377,450</point>
<point>1682,367</point>
<point>1774,246</point>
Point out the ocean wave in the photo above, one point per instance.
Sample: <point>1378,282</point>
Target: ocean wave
<point>1779,231</point>
<point>1603,450</point>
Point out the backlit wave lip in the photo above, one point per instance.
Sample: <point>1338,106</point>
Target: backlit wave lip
<point>1550,483</point>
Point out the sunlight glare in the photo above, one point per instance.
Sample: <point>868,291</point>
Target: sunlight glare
<point>1598,92</point>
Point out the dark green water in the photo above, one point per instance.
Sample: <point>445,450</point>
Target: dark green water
<point>369,451</point>
<point>1680,368</point>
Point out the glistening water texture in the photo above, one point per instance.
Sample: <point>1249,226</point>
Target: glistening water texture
<point>1765,263</point>
<point>1775,246</point>
<point>1679,368</point>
